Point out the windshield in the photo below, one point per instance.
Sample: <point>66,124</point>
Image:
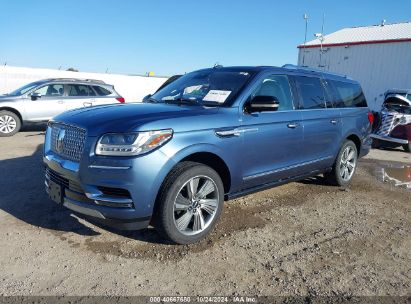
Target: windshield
<point>25,89</point>
<point>211,87</point>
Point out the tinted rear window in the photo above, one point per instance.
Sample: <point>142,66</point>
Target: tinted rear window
<point>101,91</point>
<point>311,91</point>
<point>348,95</point>
<point>80,90</point>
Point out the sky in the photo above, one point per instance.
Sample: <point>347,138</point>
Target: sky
<point>173,36</point>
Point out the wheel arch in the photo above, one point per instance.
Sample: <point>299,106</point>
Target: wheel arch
<point>215,162</point>
<point>13,111</point>
<point>201,153</point>
<point>356,140</point>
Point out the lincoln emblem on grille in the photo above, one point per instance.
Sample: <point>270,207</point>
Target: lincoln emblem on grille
<point>60,140</point>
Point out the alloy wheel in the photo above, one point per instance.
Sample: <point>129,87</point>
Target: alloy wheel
<point>7,124</point>
<point>196,205</point>
<point>347,163</point>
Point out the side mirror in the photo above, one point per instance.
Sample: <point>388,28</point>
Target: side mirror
<point>35,96</point>
<point>263,104</point>
<point>147,97</point>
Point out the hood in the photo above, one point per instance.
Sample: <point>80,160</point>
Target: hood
<point>8,97</point>
<point>397,99</point>
<point>131,117</point>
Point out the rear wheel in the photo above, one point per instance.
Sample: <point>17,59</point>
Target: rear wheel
<point>344,166</point>
<point>407,147</point>
<point>190,203</point>
<point>10,123</point>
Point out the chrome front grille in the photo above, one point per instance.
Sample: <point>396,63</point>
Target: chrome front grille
<point>67,141</point>
<point>386,124</point>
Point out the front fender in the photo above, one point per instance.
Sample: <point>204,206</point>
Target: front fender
<point>222,151</point>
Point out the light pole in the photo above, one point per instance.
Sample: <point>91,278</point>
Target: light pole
<point>305,36</point>
<point>320,37</point>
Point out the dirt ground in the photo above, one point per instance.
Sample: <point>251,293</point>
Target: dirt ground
<point>303,238</point>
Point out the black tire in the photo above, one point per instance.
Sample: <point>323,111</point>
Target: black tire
<point>10,123</point>
<point>407,147</point>
<point>335,177</point>
<point>376,143</point>
<point>165,215</point>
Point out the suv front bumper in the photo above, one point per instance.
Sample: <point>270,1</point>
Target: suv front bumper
<point>116,192</point>
<point>66,192</point>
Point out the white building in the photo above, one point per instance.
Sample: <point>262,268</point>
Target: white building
<point>377,56</point>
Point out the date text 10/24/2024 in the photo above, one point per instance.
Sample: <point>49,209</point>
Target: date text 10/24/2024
<point>203,299</point>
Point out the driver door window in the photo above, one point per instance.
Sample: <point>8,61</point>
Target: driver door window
<point>276,86</point>
<point>51,90</point>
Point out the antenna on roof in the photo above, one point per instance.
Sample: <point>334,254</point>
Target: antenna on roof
<point>217,65</point>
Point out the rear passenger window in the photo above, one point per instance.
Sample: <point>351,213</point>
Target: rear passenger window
<point>311,91</point>
<point>80,90</point>
<point>101,91</point>
<point>348,95</point>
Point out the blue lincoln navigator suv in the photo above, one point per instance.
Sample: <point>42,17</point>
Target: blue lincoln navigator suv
<point>209,136</point>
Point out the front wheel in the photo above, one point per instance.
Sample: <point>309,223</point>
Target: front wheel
<point>344,166</point>
<point>190,203</point>
<point>407,147</point>
<point>10,123</point>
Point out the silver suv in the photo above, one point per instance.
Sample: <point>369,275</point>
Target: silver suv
<point>41,100</point>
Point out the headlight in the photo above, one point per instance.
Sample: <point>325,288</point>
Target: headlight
<point>128,144</point>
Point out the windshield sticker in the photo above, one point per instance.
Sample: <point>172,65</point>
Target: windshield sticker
<point>192,89</point>
<point>217,96</point>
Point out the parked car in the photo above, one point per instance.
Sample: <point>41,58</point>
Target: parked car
<point>393,123</point>
<point>40,100</point>
<point>211,135</point>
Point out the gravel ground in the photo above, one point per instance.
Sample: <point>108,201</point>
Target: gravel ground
<point>303,238</point>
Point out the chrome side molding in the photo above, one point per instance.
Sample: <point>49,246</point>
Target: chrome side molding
<point>286,168</point>
<point>234,132</point>
<point>108,167</point>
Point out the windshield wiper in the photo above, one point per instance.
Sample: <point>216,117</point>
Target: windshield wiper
<point>182,100</point>
<point>151,100</point>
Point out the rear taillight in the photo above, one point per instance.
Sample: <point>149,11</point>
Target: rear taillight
<point>371,117</point>
<point>121,99</point>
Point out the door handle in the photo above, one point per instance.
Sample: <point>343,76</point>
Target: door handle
<point>333,121</point>
<point>87,104</point>
<point>60,101</point>
<point>292,125</point>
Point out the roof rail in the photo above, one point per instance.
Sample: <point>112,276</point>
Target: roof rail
<point>77,79</point>
<point>308,69</point>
